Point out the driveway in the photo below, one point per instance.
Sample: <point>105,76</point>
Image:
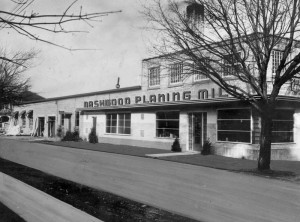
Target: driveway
<point>198,192</point>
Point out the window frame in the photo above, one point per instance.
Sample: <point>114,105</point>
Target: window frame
<point>195,74</point>
<point>250,131</point>
<point>229,66</point>
<point>282,131</point>
<point>278,57</point>
<point>177,74</point>
<point>155,79</point>
<point>119,130</point>
<point>169,120</point>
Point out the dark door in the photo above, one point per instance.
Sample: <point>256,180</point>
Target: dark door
<point>41,126</point>
<point>51,126</point>
<point>95,123</point>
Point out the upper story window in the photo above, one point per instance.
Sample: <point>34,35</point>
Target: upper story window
<point>176,71</point>
<point>154,76</point>
<point>197,75</point>
<point>231,65</point>
<point>276,58</point>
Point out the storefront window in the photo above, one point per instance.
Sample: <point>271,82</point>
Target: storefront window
<point>167,124</point>
<point>118,123</point>
<point>234,125</point>
<point>282,127</point>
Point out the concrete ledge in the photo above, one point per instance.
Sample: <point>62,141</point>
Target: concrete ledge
<point>173,154</point>
<point>36,206</point>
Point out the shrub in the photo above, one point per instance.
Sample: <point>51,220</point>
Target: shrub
<point>60,131</point>
<point>207,148</point>
<point>72,136</point>
<point>176,146</point>
<point>76,136</point>
<point>68,136</point>
<point>93,136</point>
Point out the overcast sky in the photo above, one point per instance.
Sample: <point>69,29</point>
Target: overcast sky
<point>120,41</point>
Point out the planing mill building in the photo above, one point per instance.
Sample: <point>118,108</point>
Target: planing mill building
<point>167,105</point>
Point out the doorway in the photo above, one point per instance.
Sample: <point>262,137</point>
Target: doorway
<point>197,130</point>
<point>95,123</point>
<point>51,126</point>
<point>41,126</point>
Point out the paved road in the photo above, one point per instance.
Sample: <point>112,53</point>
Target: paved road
<point>201,193</point>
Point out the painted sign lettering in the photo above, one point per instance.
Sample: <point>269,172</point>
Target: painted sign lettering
<point>153,98</point>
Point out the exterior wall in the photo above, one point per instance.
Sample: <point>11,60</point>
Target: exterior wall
<point>143,121</point>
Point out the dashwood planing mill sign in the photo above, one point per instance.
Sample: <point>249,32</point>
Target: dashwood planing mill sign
<point>154,98</point>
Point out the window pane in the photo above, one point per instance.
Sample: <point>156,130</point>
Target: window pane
<point>234,136</point>
<point>167,124</point>
<point>176,72</point>
<point>282,137</point>
<point>167,115</point>
<point>282,114</point>
<point>154,76</point>
<point>127,130</point>
<point>282,125</point>
<point>234,114</point>
<point>234,125</point>
<point>243,125</point>
<point>113,129</point>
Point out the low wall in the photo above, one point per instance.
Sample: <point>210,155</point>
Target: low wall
<point>251,151</point>
<point>35,206</point>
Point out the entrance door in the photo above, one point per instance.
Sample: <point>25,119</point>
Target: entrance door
<point>94,123</point>
<point>197,130</point>
<point>41,126</point>
<point>51,126</point>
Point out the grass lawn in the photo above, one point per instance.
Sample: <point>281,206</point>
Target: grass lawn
<point>280,169</point>
<point>106,147</point>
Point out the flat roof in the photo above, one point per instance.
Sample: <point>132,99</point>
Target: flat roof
<point>131,88</point>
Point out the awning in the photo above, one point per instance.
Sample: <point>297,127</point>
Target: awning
<point>15,114</point>
<point>65,113</point>
<point>22,112</point>
<point>29,113</point>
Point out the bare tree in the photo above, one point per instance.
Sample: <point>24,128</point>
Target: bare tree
<point>232,43</point>
<point>13,83</point>
<point>33,23</point>
<point>30,25</point>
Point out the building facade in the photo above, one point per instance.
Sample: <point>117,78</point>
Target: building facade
<point>167,105</point>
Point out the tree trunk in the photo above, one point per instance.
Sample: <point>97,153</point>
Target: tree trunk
<point>265,140</point>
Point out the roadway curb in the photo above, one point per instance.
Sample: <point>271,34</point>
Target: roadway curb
<point>34,205</point>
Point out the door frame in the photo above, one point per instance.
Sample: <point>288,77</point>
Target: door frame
<point>191,129</point>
